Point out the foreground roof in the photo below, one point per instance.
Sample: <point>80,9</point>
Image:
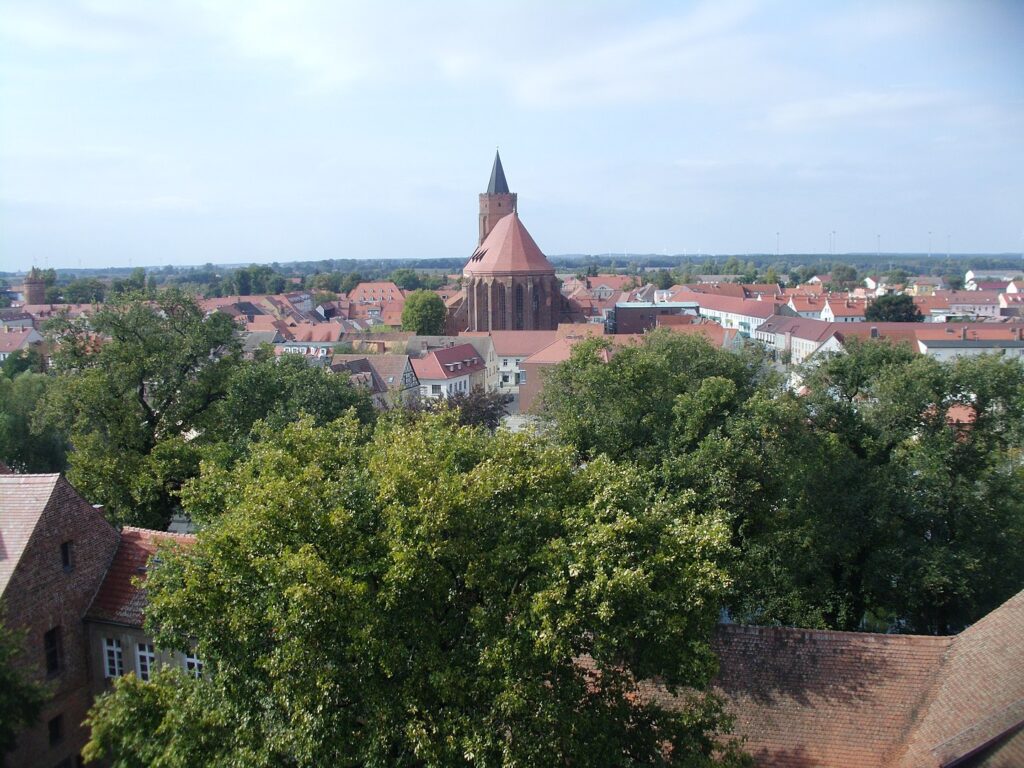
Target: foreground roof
<point>816,699</point>
<point>121,599</point>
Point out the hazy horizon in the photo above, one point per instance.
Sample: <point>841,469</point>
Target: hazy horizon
<point>190,132</point>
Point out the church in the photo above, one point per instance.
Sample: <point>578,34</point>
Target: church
<point>508,282</point>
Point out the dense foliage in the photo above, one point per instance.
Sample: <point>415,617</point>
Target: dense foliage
<point>429,595</point>
<point>147,388</point>
<point>21,699</point>
<point>893,308</point>
<point>424,313</point>
<point>859,504</point>
<point>479,407</point>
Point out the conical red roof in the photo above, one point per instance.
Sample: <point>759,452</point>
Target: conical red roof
<point>508,250</point>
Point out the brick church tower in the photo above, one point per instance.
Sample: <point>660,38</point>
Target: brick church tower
<point>509,283</point>
<point>497,202</point>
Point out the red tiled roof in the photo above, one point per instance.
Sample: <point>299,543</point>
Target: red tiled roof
<point>15,339</point>
<point>23,498</point>
<point>516,343</point>
<point>383,290</point>
<point>685,324</point>
<point>507,250</point>
<point>846,308</point>
<point>447,363</point>
<point>120,600</point>
<point>748,307</point>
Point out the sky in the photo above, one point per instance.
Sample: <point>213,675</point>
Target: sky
<point>185,131</point>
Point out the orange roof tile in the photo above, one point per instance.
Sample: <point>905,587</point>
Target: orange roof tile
<point>508,249</point>
<point>120,599</point>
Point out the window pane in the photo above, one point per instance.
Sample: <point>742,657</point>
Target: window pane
<point>146,659</point>
<point>113,658</point>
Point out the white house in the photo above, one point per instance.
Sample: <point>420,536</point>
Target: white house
<point>449,371</point>
<point>744,315</point>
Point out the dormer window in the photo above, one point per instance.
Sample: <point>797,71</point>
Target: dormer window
<point>67,556</point>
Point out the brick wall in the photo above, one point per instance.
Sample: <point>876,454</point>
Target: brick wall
<point>42,595</point>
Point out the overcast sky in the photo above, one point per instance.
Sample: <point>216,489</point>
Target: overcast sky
<point>183,131</point>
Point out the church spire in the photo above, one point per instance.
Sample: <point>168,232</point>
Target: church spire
<point>497,185</point>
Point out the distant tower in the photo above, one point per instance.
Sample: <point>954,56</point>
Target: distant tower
<point>497,202</point>
<point>35,287</point>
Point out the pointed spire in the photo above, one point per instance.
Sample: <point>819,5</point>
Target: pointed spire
<point>498,185</point>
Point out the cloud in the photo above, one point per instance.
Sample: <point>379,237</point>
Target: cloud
<point>856,107</point>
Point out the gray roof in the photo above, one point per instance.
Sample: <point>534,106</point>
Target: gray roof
<point>497,185</point>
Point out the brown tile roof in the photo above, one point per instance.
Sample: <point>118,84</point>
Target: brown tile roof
<point>120,600</point>
<point>978,697</point>
<point>382,290</point>
<point>507,250</point>
<point>814,698</point>
<point>23,498</point>
<point>805,698</point>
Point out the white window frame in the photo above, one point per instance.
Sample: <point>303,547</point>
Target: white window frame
<point>113,657</point>
<point>193,664</point>
<point>145,657</point>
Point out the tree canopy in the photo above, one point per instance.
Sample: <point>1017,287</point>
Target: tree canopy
<point>893,308</point>
<point>136,381</point>
<point>424,313</point>
<point>429,595</point>
<point>21,699</point>
<point>887,496</point>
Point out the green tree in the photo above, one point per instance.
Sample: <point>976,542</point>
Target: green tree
<point>478,407</point>
<point>23,447</point>
<point>954,281</point>
<point>21,699</point>
<point>84,291</point>
<point>30,359</point>
<point>350,281</point>
<point>424,313</point>
<point>406,279</point>
<point>624,407</point>
<point>134,386</point>
<point>487,601</point>
<point>893,308</point>
<point>276,392</point>
<point>134,283</point>
<point>844,276</point>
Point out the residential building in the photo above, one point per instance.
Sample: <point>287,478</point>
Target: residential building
<point>117,642</point>
<point>449,371</point>
<point>838,310</point>
<point>745,315</point>
<point>639,316</point>
<point>19,339</point>
<point>54,551</point>
<point>394,371</point>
